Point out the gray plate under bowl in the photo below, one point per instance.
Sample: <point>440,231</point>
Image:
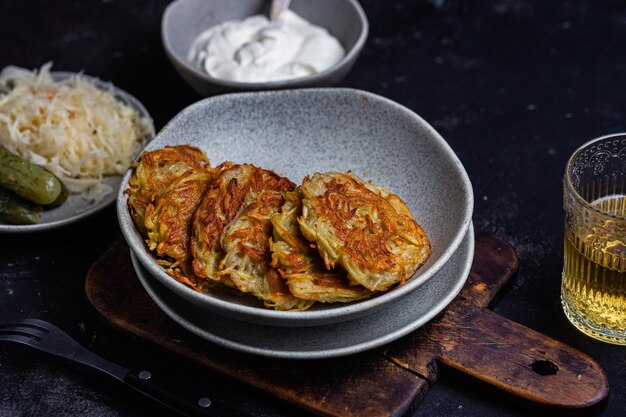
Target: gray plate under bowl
<point>299,132</point>
<point>345,338</point>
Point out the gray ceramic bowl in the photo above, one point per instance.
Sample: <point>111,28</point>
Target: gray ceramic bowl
<point>76,208</point>
<point>184,20</point>
<point>299,132</point>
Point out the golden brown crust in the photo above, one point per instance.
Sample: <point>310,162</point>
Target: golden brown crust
<point>247,253</point>
<point>157,169</point>
<point>244,196</point>
<point>168,223</point>
<point>301,265</point>
<point>336,238</point>
<point>364,228</point>
<point>165,188</point>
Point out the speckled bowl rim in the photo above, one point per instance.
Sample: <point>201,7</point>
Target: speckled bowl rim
<point>310,317</point>
<point>113,180</point>
<point>311,79</point>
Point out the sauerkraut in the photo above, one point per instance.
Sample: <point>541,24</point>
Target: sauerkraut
<point>76,130</point>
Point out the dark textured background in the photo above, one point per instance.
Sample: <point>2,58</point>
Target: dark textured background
<point>513,85</point>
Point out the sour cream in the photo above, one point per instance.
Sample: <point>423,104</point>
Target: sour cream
<point>258,50</point>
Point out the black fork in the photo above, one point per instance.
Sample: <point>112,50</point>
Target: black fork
<point>48,338</point>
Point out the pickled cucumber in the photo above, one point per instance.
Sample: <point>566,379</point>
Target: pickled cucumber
<point>60,199</point>
<point>28,180</point>
<point>16,210</point>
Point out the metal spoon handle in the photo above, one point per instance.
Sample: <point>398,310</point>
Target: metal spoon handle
<point>277,8</point>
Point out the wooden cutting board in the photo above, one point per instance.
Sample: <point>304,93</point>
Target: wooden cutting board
<point>390,380</point>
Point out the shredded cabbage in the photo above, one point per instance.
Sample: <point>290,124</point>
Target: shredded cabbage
<point>77,131</point>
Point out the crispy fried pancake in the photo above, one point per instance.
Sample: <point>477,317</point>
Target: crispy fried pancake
<point>301,265</point>
<point>247,253</point>
<point>231,230</point>
<point>168,223</point>
<point>364,228</point>
<point>157,169</point>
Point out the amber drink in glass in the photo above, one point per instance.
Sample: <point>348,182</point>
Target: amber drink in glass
<point>593,290</point>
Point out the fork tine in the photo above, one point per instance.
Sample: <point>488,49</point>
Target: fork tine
<point>27,330</point>
<point>40,324</point>
<point>17,338</point>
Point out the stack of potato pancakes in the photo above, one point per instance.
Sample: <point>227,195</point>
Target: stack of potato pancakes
<point>334,238</point>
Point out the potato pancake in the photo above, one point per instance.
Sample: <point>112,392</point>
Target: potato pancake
<point>157,169</point>
<point>301,265</point>
<point>247,252</point>
<point>335,238</point>
<point>168,223</point>
<point>364,228</point>
<point>231,231</point>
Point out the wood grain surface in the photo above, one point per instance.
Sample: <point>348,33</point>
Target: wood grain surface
<point>388,381</point>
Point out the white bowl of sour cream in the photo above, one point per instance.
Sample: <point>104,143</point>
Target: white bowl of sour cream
<point>223,46</point>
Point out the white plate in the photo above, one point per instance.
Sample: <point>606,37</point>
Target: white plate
<point>379,328</point>
<point>76,207</point>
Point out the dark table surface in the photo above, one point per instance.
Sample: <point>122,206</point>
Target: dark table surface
<point>513,85</point>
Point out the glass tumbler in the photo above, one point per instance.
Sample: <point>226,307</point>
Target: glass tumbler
<point>593,289</point>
